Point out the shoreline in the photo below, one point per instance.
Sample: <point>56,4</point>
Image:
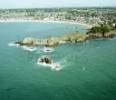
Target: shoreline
<point>44,21</point>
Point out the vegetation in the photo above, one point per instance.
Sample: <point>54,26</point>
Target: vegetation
<point>103,30</point>
<point>99,29</point>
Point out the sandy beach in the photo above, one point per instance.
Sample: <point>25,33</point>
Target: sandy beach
<point>45,21</point>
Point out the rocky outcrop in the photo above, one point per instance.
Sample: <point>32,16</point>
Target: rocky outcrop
<point>99,35</point>
<point>71,38</point>
<point>45,60</point>
<point>29,41</point>
<point>54,41</point>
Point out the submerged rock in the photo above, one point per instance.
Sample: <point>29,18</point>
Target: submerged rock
<point>47,62</point>
<point>19,43</point>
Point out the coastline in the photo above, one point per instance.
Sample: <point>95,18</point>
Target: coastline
<point>44,21</point>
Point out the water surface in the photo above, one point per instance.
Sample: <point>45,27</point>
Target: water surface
<point>89,69</point>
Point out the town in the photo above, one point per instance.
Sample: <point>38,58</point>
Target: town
<point>91,16</point>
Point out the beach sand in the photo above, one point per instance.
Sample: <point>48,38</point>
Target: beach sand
<point>45,21</point>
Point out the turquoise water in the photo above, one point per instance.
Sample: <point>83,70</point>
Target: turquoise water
<point>89,69</point>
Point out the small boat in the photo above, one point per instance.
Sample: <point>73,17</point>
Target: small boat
<point>47,62</point>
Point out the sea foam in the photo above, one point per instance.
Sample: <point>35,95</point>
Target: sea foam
<point>53,66</point>
<point>12,44</point>
<point>47,49</point>
<point>26,48</point>
<point>31,49</point>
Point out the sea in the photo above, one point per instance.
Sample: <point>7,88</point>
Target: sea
<point>88,69</point>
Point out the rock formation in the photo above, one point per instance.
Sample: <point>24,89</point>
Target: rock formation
<point>71,38</point>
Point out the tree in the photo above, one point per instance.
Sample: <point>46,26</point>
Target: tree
<point>93,30</point>
<point>102,29</point>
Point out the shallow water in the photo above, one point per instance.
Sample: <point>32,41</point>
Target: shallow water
<point>89,69</point>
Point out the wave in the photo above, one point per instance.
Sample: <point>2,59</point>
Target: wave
<point>47,49</point>
<point>53,66</point>
<point>113,38</point>
<point>31,49</point>
<point>26,48</point>
<point>12,44</point>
